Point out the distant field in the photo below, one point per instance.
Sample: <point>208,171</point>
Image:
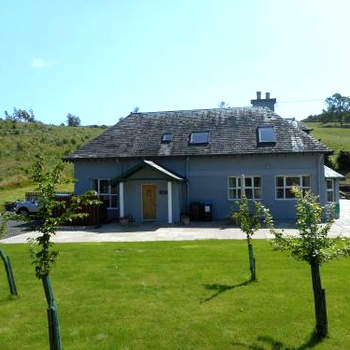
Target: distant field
<point>335,138</point>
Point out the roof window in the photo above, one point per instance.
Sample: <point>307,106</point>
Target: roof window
<point>266,134</point>
<point>167,137</point>
<point>198,138</point>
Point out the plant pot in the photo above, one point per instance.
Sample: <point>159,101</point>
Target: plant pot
<point>124,221</point>
<point>185,219</point>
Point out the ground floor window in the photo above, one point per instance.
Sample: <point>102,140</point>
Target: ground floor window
<point>330,190</point>
<point>284,185</point>
<point>252,187</point>
<point>107,192</point>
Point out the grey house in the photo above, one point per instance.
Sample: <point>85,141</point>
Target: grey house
<point>154,165</point>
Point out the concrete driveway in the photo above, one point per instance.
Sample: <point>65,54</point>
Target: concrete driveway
<point>195,231</point>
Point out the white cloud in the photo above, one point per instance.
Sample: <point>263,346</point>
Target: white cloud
<point>39,63</point>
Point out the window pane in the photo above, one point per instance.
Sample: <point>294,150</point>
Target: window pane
<point>199,137</point>
<point>239,194</point>
<point>329,196</point>
<point>167,137</point>
<point>114,187</point>
<point>114,201</point>
<point>280,193</point>
<point>280,181</point>
<point>257,193</point>
<point>292,181</point>
<point>267,135</point>
<point>257,182</point>
<point>289,193</point>
<point>232,182</point>
<point>95,185</point>
<point>239,182</point>
<point>232,194</point>
<point>330,184</point>
<point>249,193</point>
<point>248,181</point>
<point>105,200</point>
<point>306,181</point>
<point>104,186</point>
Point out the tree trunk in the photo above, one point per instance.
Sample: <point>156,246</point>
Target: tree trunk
<point>320,301</point>
<point>9,272</point>
<point>52,315</point>
<point>251,262</point>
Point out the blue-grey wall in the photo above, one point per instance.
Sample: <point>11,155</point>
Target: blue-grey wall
<point>207,180</point>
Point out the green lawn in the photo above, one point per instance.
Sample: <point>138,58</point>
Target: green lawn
<point>173,295</point>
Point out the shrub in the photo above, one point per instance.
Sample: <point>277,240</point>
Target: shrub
<point>342,160</point>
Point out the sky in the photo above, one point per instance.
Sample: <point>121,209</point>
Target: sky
<point>98,59</point>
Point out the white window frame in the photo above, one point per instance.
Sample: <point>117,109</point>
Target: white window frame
<point>109,194</point>
<point>330,190</point>
<point>284,187</point>
<point>252,187</point>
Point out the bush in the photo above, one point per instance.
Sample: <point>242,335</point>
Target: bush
<point>342,160</point>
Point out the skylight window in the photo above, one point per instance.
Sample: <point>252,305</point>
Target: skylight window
<point>266,134</point>
<point>199,138</point>
<point>166,138</point>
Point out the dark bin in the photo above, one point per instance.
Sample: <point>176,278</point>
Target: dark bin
<point>207,211</point>
<point>196,211</point>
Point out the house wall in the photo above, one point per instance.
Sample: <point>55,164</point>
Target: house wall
<point>207,180</point>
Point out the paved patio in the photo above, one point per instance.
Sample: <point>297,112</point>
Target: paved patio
<point>195,231</point>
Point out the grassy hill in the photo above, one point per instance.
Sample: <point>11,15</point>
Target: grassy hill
<point>20,142</point>
<point>334,137</point>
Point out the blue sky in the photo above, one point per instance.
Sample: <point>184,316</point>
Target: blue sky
<point>100,59</point>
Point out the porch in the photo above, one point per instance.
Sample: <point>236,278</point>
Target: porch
<point>151,193</point>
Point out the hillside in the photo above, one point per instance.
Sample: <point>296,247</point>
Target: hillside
<point>333,136</point>
<point>21,141</point>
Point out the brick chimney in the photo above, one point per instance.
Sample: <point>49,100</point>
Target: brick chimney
<point>264,102</point>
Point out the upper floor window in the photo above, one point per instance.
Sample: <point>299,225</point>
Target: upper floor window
<point>167,137</point>
<point>199,137</point>
<point>284,185</point>
<point>330,190</point>
<point>266,134</point>
<point>252,187</point>
<point>107,192</point>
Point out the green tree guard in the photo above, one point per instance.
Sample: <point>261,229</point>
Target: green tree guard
<point>52,315</point>
<point>9,273</point>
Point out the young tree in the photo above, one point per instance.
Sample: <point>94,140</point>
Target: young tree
<point>73,120</point>
<point>223,104</point>
<point>249,221</point>
<point>313,246</point>
<point>44,256</point>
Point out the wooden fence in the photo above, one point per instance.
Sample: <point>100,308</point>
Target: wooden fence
<point>97,214</point>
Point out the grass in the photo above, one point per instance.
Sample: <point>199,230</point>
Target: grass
<point>173,295</point>
<point>21,142</point>
<point>335,138</point>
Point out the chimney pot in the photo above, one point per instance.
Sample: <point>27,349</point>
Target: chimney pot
<point>258,95</point>
<point>267,95</point>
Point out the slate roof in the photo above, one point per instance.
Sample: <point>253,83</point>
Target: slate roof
<point>232,131</point>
